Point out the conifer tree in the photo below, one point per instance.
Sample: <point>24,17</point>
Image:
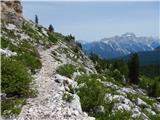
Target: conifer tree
<point>50,28</point>
<point>36,20</point>
<point>134,69</point>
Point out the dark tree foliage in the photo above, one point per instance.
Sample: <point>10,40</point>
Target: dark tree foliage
<point>50,28</point>
<point>36,19</point>
<point>121,66</point>
<point>133,65</point>
<point>79,45</point>
<point>69,38</point>
<point>152,70</point>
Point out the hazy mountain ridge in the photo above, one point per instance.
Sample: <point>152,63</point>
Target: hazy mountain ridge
<point>118,46</point>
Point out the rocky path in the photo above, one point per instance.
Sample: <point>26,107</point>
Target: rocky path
<point>48,105</point>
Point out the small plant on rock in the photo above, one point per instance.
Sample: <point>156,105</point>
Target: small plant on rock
<point>68,97</point>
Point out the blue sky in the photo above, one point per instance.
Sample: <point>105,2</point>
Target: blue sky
<point>95,20</point>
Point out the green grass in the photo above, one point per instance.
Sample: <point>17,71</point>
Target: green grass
<point>66,70</point>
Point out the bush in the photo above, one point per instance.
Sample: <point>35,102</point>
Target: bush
<point>51,37</point>
<point>66,70</point>
<point>152,85</point>
<point>121,66</point>
<point>100,64</point>
<point>67,97</point>
<point>69,38</point>
<point>91,93</point>
<point>6,43</point>
<point>119,115</point>
<point>30,61</point>
<point>15,78</point>
<point>79,45</point>
<point>9,106</point>
<point>154,89</point>
<point>27,54</point>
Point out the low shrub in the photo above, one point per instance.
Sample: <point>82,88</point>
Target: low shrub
<point>30,61</point>
<point>29,56</point>
<point>67,97</point>
<point>51,37</point>
<point>6,43</point>
<point>12,106</point>
<point>66,70</point>
<point>15,77</point>
<point>69,38</point>
<point>152,85</point>
<point>119,115</point>
<point>91,93</point>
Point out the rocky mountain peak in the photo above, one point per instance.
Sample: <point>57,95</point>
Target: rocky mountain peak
<point>128,35</point>
<point>11,11</point>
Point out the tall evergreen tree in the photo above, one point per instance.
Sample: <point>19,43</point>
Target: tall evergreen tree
<point>36,19</point>
<point>134,69</point>
<point>50,28</point>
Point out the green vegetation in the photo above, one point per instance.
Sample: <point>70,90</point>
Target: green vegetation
<point>69,38</point>
<point>50,28</point>
<point>79,45</point>
<point>31,32</point>
<point>12,106</point>
<point>152,85</point>
<point>36,19</point>
<point>119,115</point>
<point>110,69</point>
<point>91,93</point>
<point>15,81</point>
<point>26,53</point>
<point>68,97</point>
<point>15,78</point>
<point>29,56</point>
<point>66,70</point>
<point>92,96</point>
<point>15,74</point>
<point>121,66</point>
<point>100,64</point>
<point>51,37</point>
<point>152,70</point>
<point>115,69</point>
<point>134,69</point>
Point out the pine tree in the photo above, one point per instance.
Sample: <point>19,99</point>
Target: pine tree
<point>134,69</point>
<point>50,28</point>
<point>36,20</point>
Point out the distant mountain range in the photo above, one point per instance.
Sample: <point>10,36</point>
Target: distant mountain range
<point>146,57</point>
<point>119,46</point>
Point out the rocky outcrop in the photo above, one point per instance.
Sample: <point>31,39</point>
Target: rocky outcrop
<point>11,12</point>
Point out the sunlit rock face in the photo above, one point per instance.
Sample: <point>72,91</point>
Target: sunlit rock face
<point>11,12</point>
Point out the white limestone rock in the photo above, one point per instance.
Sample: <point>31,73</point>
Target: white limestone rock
<point>7,52</point>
